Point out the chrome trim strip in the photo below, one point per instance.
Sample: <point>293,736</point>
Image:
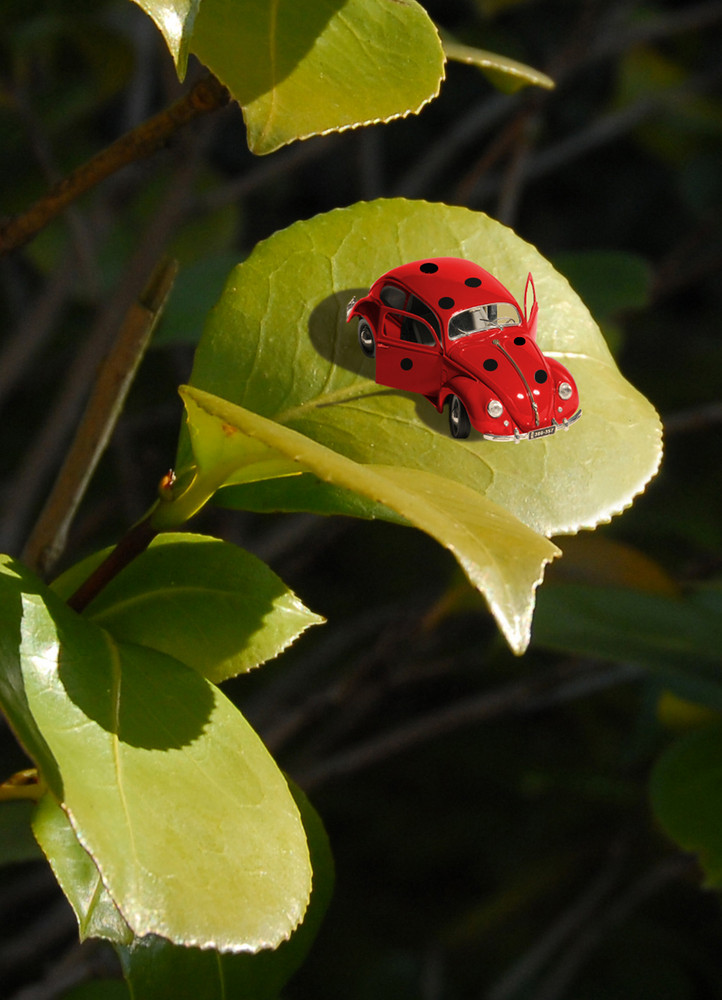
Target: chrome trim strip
<point>517,436</point>
<point>506,354</point>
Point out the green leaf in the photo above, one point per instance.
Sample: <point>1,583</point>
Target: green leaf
<point>500,556</point>
<point>608,281</point>
<point>158,970</point>
<point>686,793</point>
<point>679,638</point>
<point>209,604</point>
<point>277,343</point>
<point>504,72</point>
<point>175,20</point>
<point>17,585</point>
<point>184,813</point>
<point>78,876</point>
<point>313,66</point>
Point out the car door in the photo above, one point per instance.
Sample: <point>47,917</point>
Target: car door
<point>408,355</point>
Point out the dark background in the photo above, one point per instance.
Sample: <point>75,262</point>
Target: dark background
<point>489,815</point>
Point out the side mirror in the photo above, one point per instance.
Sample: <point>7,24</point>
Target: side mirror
<point>531,306</point>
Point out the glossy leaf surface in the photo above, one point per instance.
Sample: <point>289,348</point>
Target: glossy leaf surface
<point>174,19</point>
<point>277,343</point>
<point>78,876</point>
<point>500,555</point>
<point>686,792</point>
<point>206,602</point>
<point>172,794</point>
<point>503,71</point>
<point>376,59</point>
<point>158,970</point>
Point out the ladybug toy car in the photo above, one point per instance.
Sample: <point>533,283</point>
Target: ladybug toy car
<point>448,329</point>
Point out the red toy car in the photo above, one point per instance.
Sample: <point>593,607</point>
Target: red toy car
<point>446,328</point>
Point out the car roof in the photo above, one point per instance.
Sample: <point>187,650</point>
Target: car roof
<point>449,283</point>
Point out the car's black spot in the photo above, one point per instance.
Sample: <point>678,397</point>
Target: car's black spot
<point>520,341</point>
<point>446,302</point>
<point>491,365</point>
<point>429,267</point>
<point>540,376</point>
<point>473,282</point>
<point>407,364</point>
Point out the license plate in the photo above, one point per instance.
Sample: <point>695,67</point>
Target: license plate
<point>541,432</point>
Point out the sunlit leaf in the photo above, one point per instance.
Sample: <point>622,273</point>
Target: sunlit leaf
<point>159,970</point>
<point>500,555</point>
<point>503,71</point>
<point>79,878</point>
<point>175,20</point>
<point>686,791</point>
<point>183,811</point>
<point>277,343</point>
<point>206,602</point>
<point>314,66</point>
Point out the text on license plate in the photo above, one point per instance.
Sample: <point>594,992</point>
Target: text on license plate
<point>541,432</point>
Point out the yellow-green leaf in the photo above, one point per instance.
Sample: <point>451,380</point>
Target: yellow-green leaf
<point>174,19</point>
<point>503,71</point>
<point>305,67</point>
<point>184,813</point>
<point>500,555</point>
<point>278,343</point>
<point>206,602</point>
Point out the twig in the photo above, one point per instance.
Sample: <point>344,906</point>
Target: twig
<point>207,95</point>
<point>131,545</point>
<point>115,377</point>
<point>40,458</point>
<point>567,924</point>
<point>561,684</point>
<point>556,984</point>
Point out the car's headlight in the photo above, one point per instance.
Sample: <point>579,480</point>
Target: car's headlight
<point>565,390</point>
<point>494,408</point>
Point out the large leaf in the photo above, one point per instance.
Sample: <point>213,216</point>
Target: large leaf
<point>186,817</point>
<point>500,555</point>
<point>304,67</point>
<point>686,790</point>
<point>277,343</point>
<point>209,604</point>
<point>159,970</point>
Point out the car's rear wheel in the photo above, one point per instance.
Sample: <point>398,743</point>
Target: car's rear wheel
<point>459,423</point>
<point>366,338</point>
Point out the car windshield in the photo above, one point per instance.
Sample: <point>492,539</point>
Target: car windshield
<point>480,318</point>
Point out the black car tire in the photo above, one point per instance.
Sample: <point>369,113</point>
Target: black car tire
<point>459,423</point>
<point>366,338</point>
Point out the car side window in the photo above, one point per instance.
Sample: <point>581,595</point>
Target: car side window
<point>393,296</point>
<point>417,332</point>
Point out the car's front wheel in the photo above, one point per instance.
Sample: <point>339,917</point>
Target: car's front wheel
<point>366,338</point>
<point>459,422</point>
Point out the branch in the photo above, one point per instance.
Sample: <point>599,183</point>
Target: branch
<point>111,387</point>
<point>207,95</point>
<point>131,545</point>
